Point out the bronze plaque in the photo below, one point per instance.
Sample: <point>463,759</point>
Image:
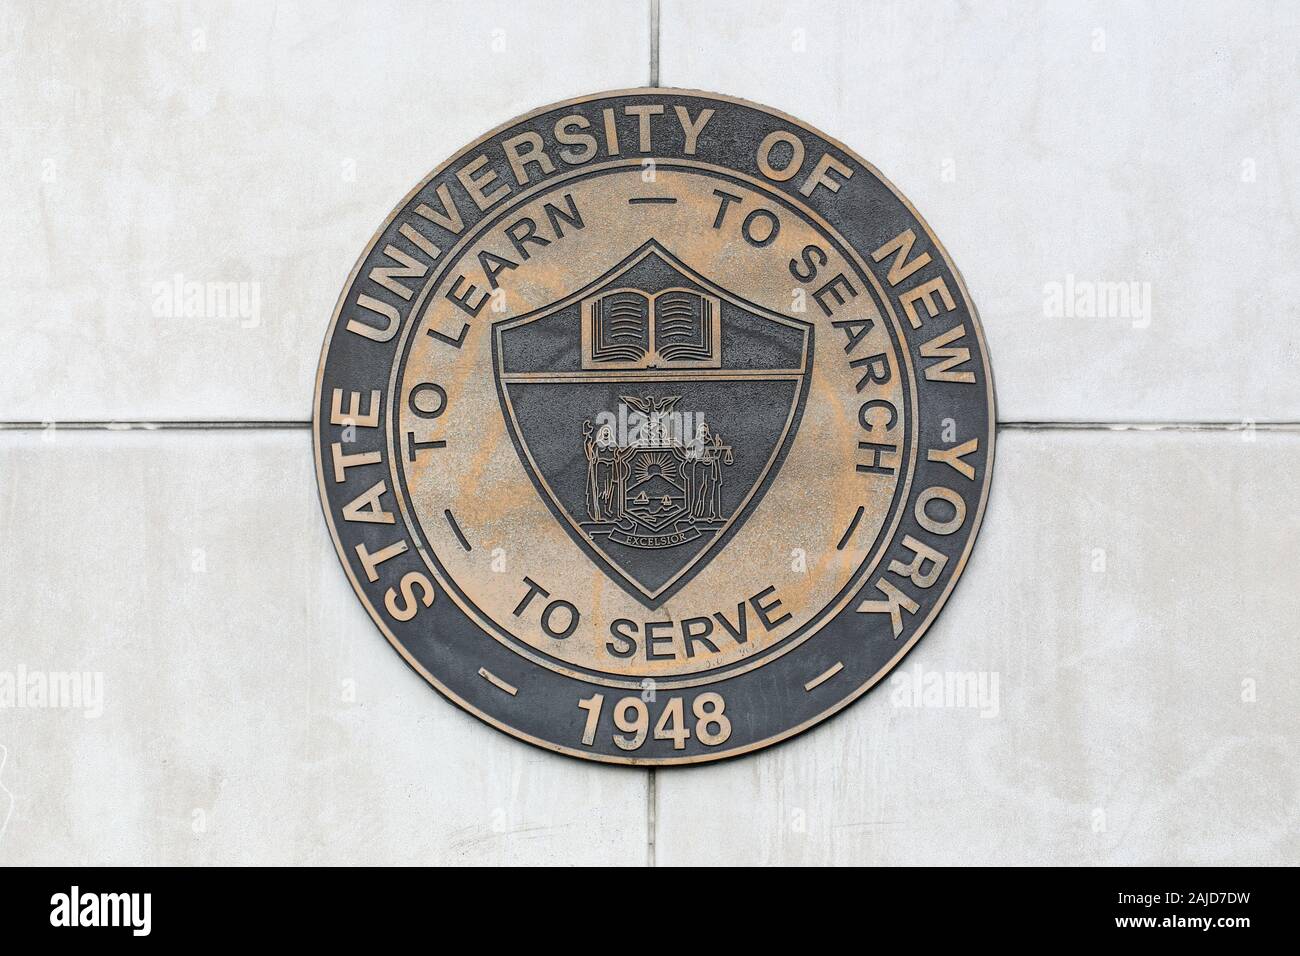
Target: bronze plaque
<point>654,427</point>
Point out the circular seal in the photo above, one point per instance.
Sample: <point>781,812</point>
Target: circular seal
<point>654,427</point>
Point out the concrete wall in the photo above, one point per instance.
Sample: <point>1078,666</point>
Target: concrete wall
<point>1132,606</point>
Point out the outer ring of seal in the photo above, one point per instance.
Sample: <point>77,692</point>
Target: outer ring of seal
<point>417,654</point>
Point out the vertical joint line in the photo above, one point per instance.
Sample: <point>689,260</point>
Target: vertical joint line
<point>654,42</point>
<point>651,823</point>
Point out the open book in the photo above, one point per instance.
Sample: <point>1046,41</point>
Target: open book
<point>674,328</point>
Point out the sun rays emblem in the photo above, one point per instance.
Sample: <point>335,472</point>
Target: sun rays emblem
<point>655,463</point>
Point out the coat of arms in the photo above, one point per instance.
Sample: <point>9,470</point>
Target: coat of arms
<point>660,489</point>
<point>650,409</point>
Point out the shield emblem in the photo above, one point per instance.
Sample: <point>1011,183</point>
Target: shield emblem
<point>652,409</point>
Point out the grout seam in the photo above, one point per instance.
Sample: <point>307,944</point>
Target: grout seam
<point>652,823</point>
<point>1239,425</point>
<point>138,425</point>
<point>199,425</point>
<point>654,42</point>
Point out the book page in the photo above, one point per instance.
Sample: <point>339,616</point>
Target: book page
<point>683,325</point>
<point>621,327</point>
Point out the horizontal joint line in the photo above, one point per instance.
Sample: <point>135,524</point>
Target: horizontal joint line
<point>1237,425</point>
<point>139,425</point>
